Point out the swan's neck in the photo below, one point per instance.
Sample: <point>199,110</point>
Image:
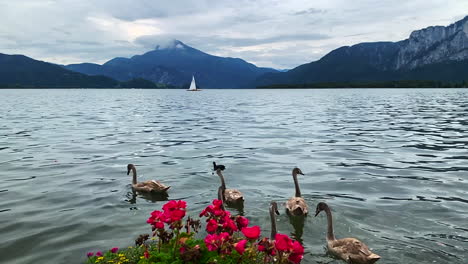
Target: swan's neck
<point>296,183</point>
<point>273,224</point>
<point>330,235</point>
<point>221,196</point>
<point>134,181</point>
<point>223,184</point>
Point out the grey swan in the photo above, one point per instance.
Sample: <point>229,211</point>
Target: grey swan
<point>296,205</point>
<point>151,186</point>
<point>350,250</point>
<point>231,196</point>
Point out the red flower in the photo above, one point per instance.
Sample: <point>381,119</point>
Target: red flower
<point>261,248</point>
<point>182,250</point>
<point>229,224</point>
<point>175,215</point>
<point>182,204</point>
<point>224,236</point>
<point>159,225</point>
<point>114,250</point>
<point>147,255</point>
<point>297,252</point>
<point>219,212</point>
<point>283,242</point>
<point>242,222</point>
<point>217,203</point>
<point>99,254</point>
<point>297,248</point>
<point>212,242</point>
<point>171,205</point>
<point>207,210</point>
<point>212,226</point>
<point>240,246</point>
<point>251,232</point>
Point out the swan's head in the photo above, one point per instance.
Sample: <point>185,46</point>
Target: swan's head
<point>129,168</point>
<point>274,208</point>
<point>297,171</point>
<point>320,207</point>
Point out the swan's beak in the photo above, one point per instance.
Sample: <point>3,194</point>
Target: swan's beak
<point>301,173</point>
<point>317,212</point>
<point>128,172</point>
<point>277,212</point>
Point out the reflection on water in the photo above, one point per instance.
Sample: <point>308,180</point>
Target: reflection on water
<point>392,164</point>
<point>297,223</point>
<point>153,197</point>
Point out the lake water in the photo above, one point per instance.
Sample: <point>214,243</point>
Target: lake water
<point>391,163</point>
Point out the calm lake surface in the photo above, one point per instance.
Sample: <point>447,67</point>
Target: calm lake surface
<point>391,163</point>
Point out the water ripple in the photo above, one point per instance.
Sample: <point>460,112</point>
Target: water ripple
<point>390,163</point>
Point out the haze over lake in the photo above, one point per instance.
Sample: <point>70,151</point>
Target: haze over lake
<point>391,163</point>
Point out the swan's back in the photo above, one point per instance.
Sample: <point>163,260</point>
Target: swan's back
<point>297,206</point>
<point>233,195</point>
<point>151,186</point>
<point>352,250</point>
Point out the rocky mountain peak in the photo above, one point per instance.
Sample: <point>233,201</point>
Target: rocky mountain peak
<point>434,44</point>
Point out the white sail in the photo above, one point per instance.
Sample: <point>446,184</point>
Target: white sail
<point>193,86</point>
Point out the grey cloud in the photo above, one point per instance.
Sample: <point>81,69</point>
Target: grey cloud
<point>310,11</point>
<point>270,33</point>
<point>152,41</point>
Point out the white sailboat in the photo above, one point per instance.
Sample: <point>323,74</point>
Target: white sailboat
<point>193,86</point>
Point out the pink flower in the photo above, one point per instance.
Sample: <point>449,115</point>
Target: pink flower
<point>99,254</point>
<point>114,250</point>
<point>283,242</point>
<point>242,222</point>
<point>251,232</point>
<point>146,254</point>
<point>212,226</point>
<point>90,254</point>
<point>240,246</point>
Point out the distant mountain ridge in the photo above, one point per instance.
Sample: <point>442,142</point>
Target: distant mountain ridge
<point>19,71</point>
<point>175,64</point>
<point>22,71</point>
<point>434,53</point>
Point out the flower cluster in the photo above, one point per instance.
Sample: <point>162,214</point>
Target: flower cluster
<point>172,213</point>
<point>221,226</point>
<point>220,220</point>
<point>286,246</point>
<point>230,239</point>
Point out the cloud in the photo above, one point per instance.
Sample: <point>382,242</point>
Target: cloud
<point>310,11</point>
<point>270,33</point>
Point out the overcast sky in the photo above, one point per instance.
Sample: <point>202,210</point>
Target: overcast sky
<point>271,33</point>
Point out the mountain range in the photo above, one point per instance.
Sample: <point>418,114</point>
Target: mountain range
<point>21,71</point>
<point>175,64</point>
<point>435,53</point>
